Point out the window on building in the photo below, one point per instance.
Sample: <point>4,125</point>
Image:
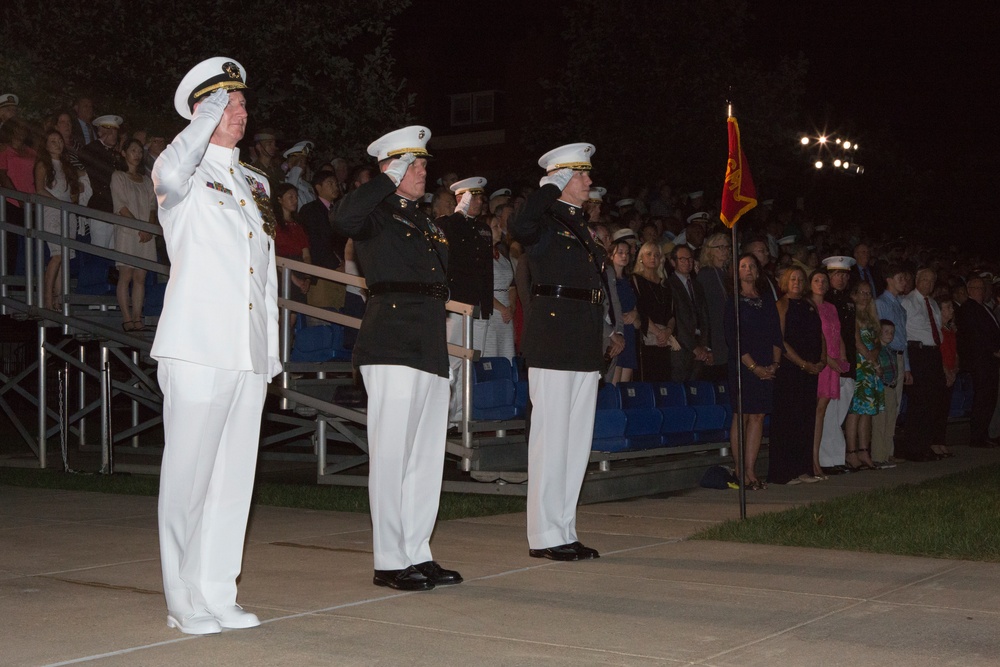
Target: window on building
<point>473,108</point>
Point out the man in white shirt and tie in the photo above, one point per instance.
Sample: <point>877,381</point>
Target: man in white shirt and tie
<point>927,405</point>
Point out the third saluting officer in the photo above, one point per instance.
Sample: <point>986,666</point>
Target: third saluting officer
<point>564,330</point>
<point>403,357</point>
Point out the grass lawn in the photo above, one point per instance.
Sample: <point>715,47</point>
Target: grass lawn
<point>957,516</point>
<point>335,498</point>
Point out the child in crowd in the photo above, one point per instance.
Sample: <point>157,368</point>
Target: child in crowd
<point>886,362</point>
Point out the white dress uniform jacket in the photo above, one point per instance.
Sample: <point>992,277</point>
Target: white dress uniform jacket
<point>214,235</point>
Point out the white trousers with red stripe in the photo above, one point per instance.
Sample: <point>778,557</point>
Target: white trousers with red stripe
<point>559,443</point>
<point>407,427</point>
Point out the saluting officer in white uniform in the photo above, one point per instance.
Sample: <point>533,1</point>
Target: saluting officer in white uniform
<point>216,345</point>
<point>403,357</point>
<point>562,345</point>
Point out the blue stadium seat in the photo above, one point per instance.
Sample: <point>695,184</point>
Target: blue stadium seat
<point>492,389</point>
<point>521,398</point>
<point>319,343</point>
<point>669,394</point>
<point>722,392</point>
<point>710,423</point>
<point>608,398</point>
<point>609,431</point>
<point>636,395</point>
<point>678,426</point>
<point>700,392</point>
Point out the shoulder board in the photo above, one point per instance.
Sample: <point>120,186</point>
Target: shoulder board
<point>252,168</point>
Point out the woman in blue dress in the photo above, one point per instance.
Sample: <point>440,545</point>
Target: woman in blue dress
<point>628,359</point>
<point>760,355</point>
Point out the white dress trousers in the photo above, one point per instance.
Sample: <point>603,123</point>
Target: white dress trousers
<point>407,427</point>
<point>559,443</point>
<point>453,329</point>
<point>833,446</point>
<point>211,420</point>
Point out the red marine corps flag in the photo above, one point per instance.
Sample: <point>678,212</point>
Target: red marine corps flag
<point>738,193</point>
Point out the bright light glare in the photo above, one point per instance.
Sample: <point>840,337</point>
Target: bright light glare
<point>804,141</point>
<point>838,141</point>
<point>855,147</point>
<point>836,163</point>
<point>847,144</point>
<point>819,164</point>
<point>822,140</point>
<point>846,165</point>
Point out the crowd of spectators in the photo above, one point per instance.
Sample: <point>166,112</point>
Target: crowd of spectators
<point>837,326</point>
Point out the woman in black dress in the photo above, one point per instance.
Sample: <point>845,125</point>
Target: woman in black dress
<point>795,384</point>
<point>760,356</point>
<point>656,313</point>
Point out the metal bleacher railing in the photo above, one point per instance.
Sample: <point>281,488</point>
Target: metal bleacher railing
<point>304,420</point>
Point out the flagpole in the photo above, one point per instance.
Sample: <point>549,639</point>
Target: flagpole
<point>738,359</point>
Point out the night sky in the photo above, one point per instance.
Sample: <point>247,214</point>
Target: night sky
<point>907,78</point>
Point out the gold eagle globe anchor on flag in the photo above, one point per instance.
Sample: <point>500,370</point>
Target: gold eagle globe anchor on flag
<point>738,192</point>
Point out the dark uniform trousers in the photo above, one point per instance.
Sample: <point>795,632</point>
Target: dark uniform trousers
<point>562,347</point>
<point>403,358</point>
<point>927,404</point>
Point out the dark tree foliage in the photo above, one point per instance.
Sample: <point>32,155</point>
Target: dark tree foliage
<point>647,81</point>
<point>318,71</point>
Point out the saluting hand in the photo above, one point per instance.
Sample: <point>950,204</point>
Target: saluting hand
<point>397,168</point>
<point>213,105</point>
<point>558,178</point>
<point>463,203</point>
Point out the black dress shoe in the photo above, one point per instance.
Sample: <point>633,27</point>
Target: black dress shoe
<point>562,552</point>
<point>437,575</point>
<point>586,553</point>
<point>410,579</point>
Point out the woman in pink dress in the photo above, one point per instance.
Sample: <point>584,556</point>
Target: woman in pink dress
<point>829,378</point>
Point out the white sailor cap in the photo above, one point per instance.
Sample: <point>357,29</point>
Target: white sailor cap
<point>305,147</point>
<point>597,194</point>
<point>624,203</point>
<point>502,192</point>
<point>207,77</point>
<point>787,240</point>
<point>473,185</point>
<point>696,194</point>
<point>412,139</point>
<point>623,234</point>
<point>264,135</point>
<point>9,100</point>
<point>700,216</point>
<point>838,263</point>
<point>108,121</point>
<point>571,156</point>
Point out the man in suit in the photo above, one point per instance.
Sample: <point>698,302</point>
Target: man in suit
<point>470,274</point>
<point>979,354</point>
<point>102,158</point>
<point>216,345</point>
<point>326,247</point>
<point>691,315</point>
<point>402,355</point>
<point>927,402</point>
<point>866,270</point>
<point>562,345</point>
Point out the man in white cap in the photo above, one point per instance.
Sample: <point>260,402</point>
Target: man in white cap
<point>833,446</point>
<point>470,274</point>
<point>299,174</point>
<point>216,344</point>
<point>402,354</point>
<point>562,345</point>
<point>102,158</point>
<point>592,207</point>
<point>499,198</point>
<point>8,107</point>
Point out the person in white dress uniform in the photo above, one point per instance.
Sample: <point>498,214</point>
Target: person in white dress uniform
<point>216,345</point>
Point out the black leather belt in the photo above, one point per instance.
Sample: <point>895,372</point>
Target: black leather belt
<point>918,345</point>
<point>564,292</point>
<point>434,290</point>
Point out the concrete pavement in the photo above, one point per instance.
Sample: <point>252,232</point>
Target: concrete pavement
<point>80,584</point>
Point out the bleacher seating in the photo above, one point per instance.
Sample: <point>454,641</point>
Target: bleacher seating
<point>493,389</point>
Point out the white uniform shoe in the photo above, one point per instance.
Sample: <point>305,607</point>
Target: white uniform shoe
<point>196,623</point>
<point>235,618</point>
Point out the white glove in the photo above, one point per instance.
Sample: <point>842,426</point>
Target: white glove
<point>274,367</point>
<point>213,105</point>
<point>558,178</point>
<point>397,168</point>
<point>463,203</point>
